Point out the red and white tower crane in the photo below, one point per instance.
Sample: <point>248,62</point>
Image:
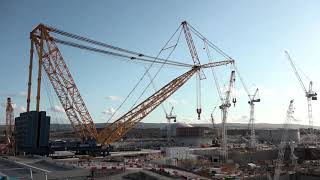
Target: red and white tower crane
<point>10,142</point>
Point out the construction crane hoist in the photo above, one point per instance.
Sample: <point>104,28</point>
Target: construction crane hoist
<point>309,94</point>
<point>51,60</point>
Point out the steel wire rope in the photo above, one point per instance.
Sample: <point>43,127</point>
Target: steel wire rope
<point>221,52</point>
<point>160,68</point>
<point>159,61</point>
<point>80,38</point>
<point>144,74</point>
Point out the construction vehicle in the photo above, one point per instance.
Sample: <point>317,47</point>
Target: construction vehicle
<point>9,133</point>
<point>284,141</point>
<point>52,61</point>
<point>309,94</point>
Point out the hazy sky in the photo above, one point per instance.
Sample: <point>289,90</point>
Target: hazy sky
<point>254,33</point>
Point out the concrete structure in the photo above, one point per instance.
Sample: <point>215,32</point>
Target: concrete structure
<point>173,128</point>
<point>274,136</point>
<point>177,152</point>
<point>29,126</point>
<point>193,136</point>
<point>143,133</point>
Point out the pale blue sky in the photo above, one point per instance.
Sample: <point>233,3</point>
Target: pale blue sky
<point>254,33</point>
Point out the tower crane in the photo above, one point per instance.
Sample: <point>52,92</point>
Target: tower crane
<point>170,117</point>
<point>309,94</point>
<point>224,109</point>
<point>215,140</point>
<point>252,102</point>
<point>10,141</point>
<point>225,102</point>
<point>284,141</point>
<point>52,61</point>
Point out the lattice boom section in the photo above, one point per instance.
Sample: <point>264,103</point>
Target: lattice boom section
<point>61,92</point>
<point>120,127</point>
<point>70,87</point>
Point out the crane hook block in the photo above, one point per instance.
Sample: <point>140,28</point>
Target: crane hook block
<point>199,112</point>
<point>234,101</point>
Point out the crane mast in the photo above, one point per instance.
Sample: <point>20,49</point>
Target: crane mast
<point>309,94</point>
<point>196,61</point>
<point>10,141</point>
<point>224,109</point>
<point>170,117</point>
<point>284,141</point>
<point>252,102</point>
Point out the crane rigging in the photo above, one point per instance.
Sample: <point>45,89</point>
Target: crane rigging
<point>52,61</point>
<point>309,94</point>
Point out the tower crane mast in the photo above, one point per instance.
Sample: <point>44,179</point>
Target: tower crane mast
<point>10,140</point>
<point>309,94</point>
<point>284,141</point>
<point>225,102</point>
<point>252,102</point>
<point>170,117</point>
<point>224,109</point>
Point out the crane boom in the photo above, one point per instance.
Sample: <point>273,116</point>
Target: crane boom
<point>118,128</point>
<point>63,83</point>
<point>296,72</point>
<point>52,61</point>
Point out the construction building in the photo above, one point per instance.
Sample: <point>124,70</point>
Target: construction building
<point>32,133</point>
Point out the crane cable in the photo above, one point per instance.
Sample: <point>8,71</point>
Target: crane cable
<point>90,41</point>
<point>140,80</point>
<point>156,60</point>
<point>213,71</point>
<point>217,49</point>
<point>160,68</point>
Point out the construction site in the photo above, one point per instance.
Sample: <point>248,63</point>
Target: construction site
<point>35,146</point>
